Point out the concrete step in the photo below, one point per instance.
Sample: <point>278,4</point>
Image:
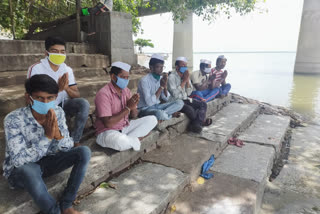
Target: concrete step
<point>18,77</point>
<point>237,186</point>
<point>267,130</point>
<point>145,189</point>
<point>250,164</point>
<point>34,46</point>
<point>18,62</point>
<point>188,151</point>
<point>227,122</point>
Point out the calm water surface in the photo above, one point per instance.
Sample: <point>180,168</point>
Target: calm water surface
<point>269,77</point>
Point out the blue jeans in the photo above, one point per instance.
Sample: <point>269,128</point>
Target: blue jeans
<point>162,111</point>
<point>79,108</point>
<point>29,177</point>
<point>224,89</point>
<point>205,95</point>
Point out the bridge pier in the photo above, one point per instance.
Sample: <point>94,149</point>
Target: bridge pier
<point>308,52</point>
<point>183,41</point>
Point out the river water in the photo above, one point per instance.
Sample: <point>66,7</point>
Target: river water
<point>268,77</point>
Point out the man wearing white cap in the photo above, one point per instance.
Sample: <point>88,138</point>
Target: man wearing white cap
<point>151,88</point>
<point>203,83</point>
<point>180,87</point>
<point>114,105</point>
<point>220,76</point>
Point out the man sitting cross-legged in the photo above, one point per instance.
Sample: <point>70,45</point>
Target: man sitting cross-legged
<point>114,105</point>
<point>151,88</point>
<point>38,145</point>
<point>180,87</point>
<point>203,83</point>
<point>220,76</point>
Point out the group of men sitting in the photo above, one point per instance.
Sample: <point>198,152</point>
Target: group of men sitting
<point>38,143</point>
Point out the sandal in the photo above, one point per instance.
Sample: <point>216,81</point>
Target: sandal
<point>236,142</point>
<point>208,122</point>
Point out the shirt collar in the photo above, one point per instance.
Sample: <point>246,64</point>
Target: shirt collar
<point>29,115</point>
<point>112,88</point>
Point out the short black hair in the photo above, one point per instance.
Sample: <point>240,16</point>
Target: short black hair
<point>177,63</point>
<point>115,70</point>
<point>50,41</point>
<point>41,82</point>
<point>219,59</point>
<point>203,65</point>
<point>154,61</point>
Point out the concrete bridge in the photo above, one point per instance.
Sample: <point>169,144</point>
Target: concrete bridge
<point>308,50</point>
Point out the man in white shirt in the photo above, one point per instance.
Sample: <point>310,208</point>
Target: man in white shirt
<point>180,87</point>
<point>151,88</point>
<point>68,97</point>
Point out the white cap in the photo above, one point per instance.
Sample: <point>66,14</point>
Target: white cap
<point>108,4</point>
<point>122,65</point>
<point>157,56</point>
<point>182,58</point>
<point>221,57</point>
<point>205,61</point>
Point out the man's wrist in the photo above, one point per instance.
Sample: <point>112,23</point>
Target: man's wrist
<point>127,108</point>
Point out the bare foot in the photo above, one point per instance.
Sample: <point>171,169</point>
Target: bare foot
<point>76,144</point>
<point>176,114</point>
<point>70,210</point>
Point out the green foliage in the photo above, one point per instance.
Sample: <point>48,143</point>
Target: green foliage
<point>26,12</point>
<point>143,43</point>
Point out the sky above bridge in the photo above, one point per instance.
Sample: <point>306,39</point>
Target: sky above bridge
<point>274,28</point>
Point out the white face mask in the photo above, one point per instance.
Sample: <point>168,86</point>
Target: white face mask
<point>207,70</point>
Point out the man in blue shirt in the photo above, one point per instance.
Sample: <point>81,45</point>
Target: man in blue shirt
<point>151,88</point>
<point>38,145</point>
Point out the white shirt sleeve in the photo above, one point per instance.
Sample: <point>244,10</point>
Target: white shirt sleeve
<point>72,80</point>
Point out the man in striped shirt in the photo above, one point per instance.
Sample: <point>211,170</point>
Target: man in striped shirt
<point>220,76</point>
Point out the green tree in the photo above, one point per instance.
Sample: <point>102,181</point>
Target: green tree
<point>141,43</point>
<point>25,12</point>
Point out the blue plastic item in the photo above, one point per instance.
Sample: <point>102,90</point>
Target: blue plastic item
<point>206,166</point>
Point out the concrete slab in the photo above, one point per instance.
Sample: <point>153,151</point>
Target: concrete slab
<point>251,162</point>
<point>220,195</point>
<point>18,62</point>
<point>268,130</point>
<point>33,46</point>
<point>217,104</point>
<point>144,189</point>
<point>161,126</point>
<point>228,121</point>
<point>185,153</point>
<point>302,172</point>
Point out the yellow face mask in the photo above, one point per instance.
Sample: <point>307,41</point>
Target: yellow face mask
<point>56,59</point>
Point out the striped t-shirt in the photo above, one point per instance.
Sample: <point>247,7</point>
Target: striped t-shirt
<point>218,73</point>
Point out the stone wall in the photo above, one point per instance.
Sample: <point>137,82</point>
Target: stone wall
<point>110,31</point>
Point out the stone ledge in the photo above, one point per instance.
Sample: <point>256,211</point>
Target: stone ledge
<point>268,130</point>
<point>146,188</point>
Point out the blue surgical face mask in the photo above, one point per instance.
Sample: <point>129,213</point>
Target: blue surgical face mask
<point>122,83</point>
<point>183,69</point>
<point>42,108</point>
